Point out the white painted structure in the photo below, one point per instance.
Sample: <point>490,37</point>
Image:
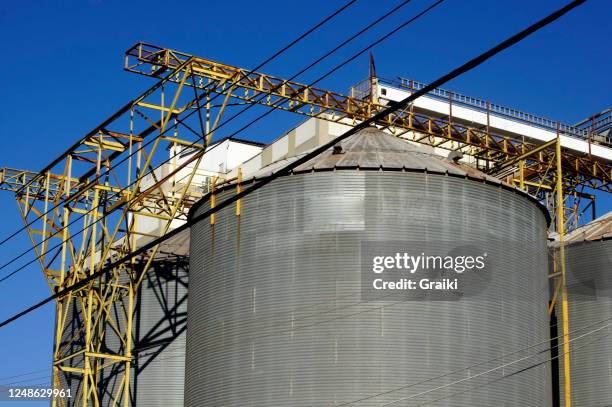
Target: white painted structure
<point>504,121</point>
<point>223,159</point>
<point>219,159</point>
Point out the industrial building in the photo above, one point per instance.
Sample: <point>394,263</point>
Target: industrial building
<point>260,304</point>
<point>274,312</point>
<point>589,285</point>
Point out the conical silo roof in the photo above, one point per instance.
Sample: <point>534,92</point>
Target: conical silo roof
<point>374,149</point>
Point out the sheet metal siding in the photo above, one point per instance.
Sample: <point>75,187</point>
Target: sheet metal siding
<point>275,313</point>
<point>590,265</point>
<point>160,335</point>
<point>73,328</point>
<point>157,377</point>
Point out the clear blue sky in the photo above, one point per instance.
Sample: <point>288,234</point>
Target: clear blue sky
<point>61,74</point>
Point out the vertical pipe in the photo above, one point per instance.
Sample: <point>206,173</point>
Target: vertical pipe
<point>488,117</point>
<point>128,347</point>
<point>86,358</point>
<point>450,113</point>
<point>208,114</point>
<point>522,174</point>
<point>128,181</point>
<point>58,306</point>
<point>174,153</point>
<point>590,133</point>
<point>163,102</point>
<point>67,188</point>
<point>576,210</point>
<point>488,104</point>
<point>46,208</point>
<point>411,92</point>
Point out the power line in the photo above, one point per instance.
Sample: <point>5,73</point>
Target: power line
<point>357,34</point>
<point>293,329</point>
<point>167,357</point>
<point>175,351</point>
<point>276,54</point>
<point>490,370</point>
<point>479,363</point>
<point>328,18</point>
<point>24,374</point>
<point>262,64</point>
<point>26,380</point>
<point>274,108</point>
<point>192,144</point>
<point>170,351</point>
<point>180,352</point>
<point>337,67</point>
<point>471,64</point>
<point>77,233</point>
<point>567,352</point>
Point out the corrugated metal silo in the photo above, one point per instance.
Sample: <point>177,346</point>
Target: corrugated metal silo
<point>275,314</point>
<point>589,287</point>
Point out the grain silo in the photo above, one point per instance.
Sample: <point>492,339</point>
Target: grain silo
<point>276,316</point>
<point>158,335</point>
<point>589,288</point>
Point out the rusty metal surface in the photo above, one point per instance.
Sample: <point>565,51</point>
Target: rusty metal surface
<point>275,314</point>
<point>375,149</point>
<point>372,149</point>
<point>600,228</point>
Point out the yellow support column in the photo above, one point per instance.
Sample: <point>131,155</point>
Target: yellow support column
<point>564,306</point>
<point>522,174</point>
<point>128,347</point>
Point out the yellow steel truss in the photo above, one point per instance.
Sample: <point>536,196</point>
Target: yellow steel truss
<point>90,216</point>
<point>84,209</point>
<point>254,87</point>
<point>558,207</point>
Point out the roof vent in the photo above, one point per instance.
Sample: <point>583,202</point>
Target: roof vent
<point>455,156</point>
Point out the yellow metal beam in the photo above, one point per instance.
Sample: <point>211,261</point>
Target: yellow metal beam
<point>563,285</point>
<point>159,107</point>
<point>300,98</point>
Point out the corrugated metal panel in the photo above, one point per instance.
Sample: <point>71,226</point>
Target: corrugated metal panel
<point>373,149</point>
<point>589,282</point>
<point>600,228</point>
<point>73,330</point>
<point>275,313</point>
<point>158,337</point>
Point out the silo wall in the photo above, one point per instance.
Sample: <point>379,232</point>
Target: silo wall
<point>158,367</point>
<point>589,289</point>
<point>276,316</point>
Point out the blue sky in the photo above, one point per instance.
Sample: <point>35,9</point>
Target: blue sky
<point>61,74</point>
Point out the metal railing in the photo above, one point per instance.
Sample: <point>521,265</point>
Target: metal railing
<point>597,123</point>
<point>499,110</point>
